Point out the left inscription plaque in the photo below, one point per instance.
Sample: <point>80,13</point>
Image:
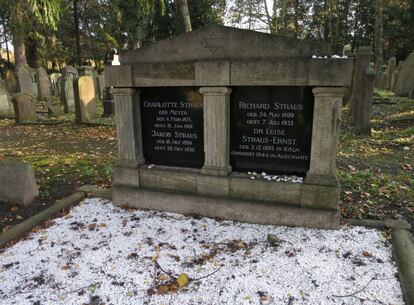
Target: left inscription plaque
<point>172,126</point>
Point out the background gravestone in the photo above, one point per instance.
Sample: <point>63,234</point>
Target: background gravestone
<point>67,94</point>
<point>392,65</point>
<point>85,104</point>
<point>405,84</point>
<point>55,81</point>
<point>17,183</point>
<point>24,79</point>
<point>44,83</point>
<point>24,108</point>
<point>34,78</point>
<point>6,107</point>
<point>11,82</point>
<point>361,105</point>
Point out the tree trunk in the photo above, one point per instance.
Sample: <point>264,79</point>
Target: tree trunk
<point>78,58</point>
<point>6,40</point>
<point>296,18</point>
<point>283,18</point>
<point>183,6</point>
<point>275,24</point>
<point>18,35</point>
<point>378,37</point>
<point>31,52</point>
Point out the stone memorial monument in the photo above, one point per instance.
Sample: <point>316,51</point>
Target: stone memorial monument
<point>206,121</point>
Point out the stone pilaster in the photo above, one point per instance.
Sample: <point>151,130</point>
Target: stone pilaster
<point>325,131</point>
<point>128,127</point>
<point>216,103</point>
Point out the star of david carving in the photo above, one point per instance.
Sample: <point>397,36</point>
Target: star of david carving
<point>213,42</point>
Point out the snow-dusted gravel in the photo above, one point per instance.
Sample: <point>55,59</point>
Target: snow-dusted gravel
<point>100,254</point>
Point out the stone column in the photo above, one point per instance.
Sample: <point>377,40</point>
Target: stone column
<point>216,103</point>
<point>128,127</point>
<point>325,131</point>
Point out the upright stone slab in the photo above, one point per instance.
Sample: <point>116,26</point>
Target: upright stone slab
<point>6,106</point>
<point>11,82</point>
<point>34,77</point>
<point>67,95</point>
<point>192,122</point>
<point>405,84</point>
<point>95,77</point>
<point>392,66</point>
<point>361,105</point>
<point>17,183</point>
<point>85,104</point>
<point>55,81</point>
<point>43,83</point>
<point>24,79</point>
<point>24,108</point>
<point>86,71</point>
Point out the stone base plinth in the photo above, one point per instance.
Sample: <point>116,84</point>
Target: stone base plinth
<point>245,211</point>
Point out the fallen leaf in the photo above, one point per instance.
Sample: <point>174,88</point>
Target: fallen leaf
<point>182,280</point>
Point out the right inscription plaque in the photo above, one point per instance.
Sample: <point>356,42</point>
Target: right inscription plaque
<point>271,129</point>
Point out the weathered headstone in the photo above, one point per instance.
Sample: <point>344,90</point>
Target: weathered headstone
<point>383,78</point>
<point>95,77</point>
<point>24,79</point>
<point>44,83</point>
<point>194,124</point>
<point>53,110</point>
<point>67,95</point>
<point>17,183</point>
<point>405,84</point>
<point>361,105</point>
<point>35,81</point>
<point>11,82</point>
<point>391,68</point>
<point>55,81</point>
<point>24,108</point>
<point>347,50</point>
<point>6,106</point>
<point>86,70</point>
<point>85,103</point>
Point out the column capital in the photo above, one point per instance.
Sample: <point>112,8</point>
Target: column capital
<point>329,91</point>
<point>215,90</point>
<point>124,91</point>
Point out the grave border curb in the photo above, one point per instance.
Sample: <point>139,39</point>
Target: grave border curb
<point>22,228</point>
<point>81,193</point>
<point>403,250</point>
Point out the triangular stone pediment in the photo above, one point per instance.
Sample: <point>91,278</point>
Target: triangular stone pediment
<point>215,42</point>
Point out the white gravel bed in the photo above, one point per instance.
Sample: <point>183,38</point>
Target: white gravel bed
<point>101,254</point>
